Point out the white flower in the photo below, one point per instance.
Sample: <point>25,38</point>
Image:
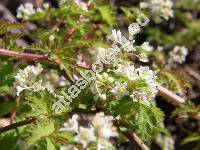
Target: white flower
<point>143,57</point>
<point>61,2</point>
<point>71,125</point>
<point>133,29</point>
<point>146,46</point>
<point>81,4</point>
<point>85,136</point>
<point>120,90</point>
<point>68,147</point>
<point>103,96</point>
<point>46,5</point>
<point>178,54</point>
<point>148,75</point>
<point>26,79</point>
<point>51,38</point>
<point>39,10</point>
<point>104,144</point>
<point>127,46</point>
<point>143,5</point>
<point>145,73</point>
<point>104,126</point>
<point>115,36</point>
<point>159,8</point>
<point>110,80</point>
<point>120,70</point>
<point>101,53</point>
<point>104,76</point>
<point>136,95</point>
<point>127,71</point>
<point>25,11</point>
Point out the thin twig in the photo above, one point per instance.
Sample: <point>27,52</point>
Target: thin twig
<point>69,35</point>
<point>14,112</point>
<point>17,124</point>
<point>38,57</point>
<point>170,96</point>
<point>27,56</point>
<point>133,138</point>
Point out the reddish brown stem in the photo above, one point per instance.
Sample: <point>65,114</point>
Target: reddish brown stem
<point>14,112</point>
<point>170,96</point>
<point>69,35</point>
<point>26,56</point>
<point>17,124</point>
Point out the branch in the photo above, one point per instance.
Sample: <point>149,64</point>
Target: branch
<point>69,35</point>
<point>170,96</point>
<point>27,56</point>
<point>133,138</point>
<point>17,124</point>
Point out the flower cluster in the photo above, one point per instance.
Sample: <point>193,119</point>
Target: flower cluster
<point>178,54</point>
<point>27,10</point>
<point>104,84</point>
<point>78,3</point>
<point>99,132</point>
<point>159,8</point>
<point>27,79</point>
<point>117,81</point>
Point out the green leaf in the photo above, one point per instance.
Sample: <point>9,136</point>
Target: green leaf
<point>8,140</point>
<point>67,135</point>
<point>50,145</point>
<point>39,131</point>
<point>195,137</point>
<point>145,120</point>
<point>106,14</point>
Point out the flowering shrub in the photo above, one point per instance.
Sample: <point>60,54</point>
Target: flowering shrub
<point>86,79</point>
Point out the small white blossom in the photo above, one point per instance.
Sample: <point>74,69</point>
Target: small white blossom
<point>148,75</point>
<point>61,2</point>
<point>143,5</point>
<point>85,136</point>
<point>120,90</point>
<point>51,38</point>
<point>133,29</point>
<point>127,71</point>
<point>68,147</point>
<point>104,126</point>
<point>46,5</point>
<point>26,79</point>
<point>25,11</point>
<point>136,95</point>
<point>127,46</point>
<point>101,53</point>
<point>143,57</point>
<point>145,73</point>
<point>159,8</point>
<point>71,125</point>
<point>39,10</point>
<point>146,46</point>
<point>178,54</point>
<point>104,144</point>
<point>115,36</point>
<point>104,76</point>
<point>103,96</point>
<point>81,4</point>
<point>110,80</point>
